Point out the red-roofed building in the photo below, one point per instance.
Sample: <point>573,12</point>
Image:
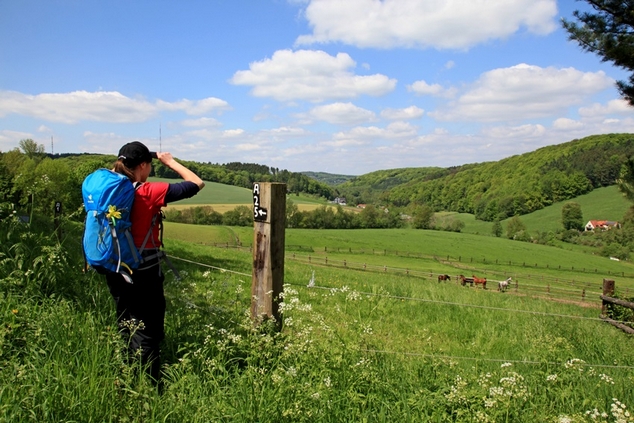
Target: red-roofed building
<point>601,224</point>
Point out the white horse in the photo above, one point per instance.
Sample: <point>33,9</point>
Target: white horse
<point>503,285</point>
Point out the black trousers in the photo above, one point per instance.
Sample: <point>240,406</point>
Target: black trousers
<point>141,313</point>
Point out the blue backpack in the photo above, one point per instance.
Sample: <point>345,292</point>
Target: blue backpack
<point>107,241</point>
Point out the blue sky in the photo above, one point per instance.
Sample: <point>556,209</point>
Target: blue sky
<point>336,86</point>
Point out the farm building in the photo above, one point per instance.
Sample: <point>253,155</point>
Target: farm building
<point>601,224</point>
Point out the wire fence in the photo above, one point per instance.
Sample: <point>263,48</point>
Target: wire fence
<point>456,259</point>
<point>460,262</point>
<point>447,303</point>
<point>543,286</point>
<point>583,292</point>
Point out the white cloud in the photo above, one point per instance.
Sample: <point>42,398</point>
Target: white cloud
<point>423,88</point>
<point>231,133</point>
<point>394,130</point>
<point>310,75</point>
<point>196,108</point>
<point>284,132</point>
<point>342,114</point>
<point>524,92</point>
<point>448,24</point>
<point>10,139</point>
<point>618,106</point>
<point>565,123</point>
<point>411,112</point>
<point>201,122</point>
<point>248,147</point>
<point>100,106</point>
<point>518,132</point>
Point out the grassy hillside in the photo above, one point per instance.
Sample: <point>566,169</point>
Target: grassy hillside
<point>221,194</point>
<point>601,204</point>
<point>331,179</point>
<point>382,342</point>
<point>495,190</point>
<point>215,193</point>
<point>428,251</point>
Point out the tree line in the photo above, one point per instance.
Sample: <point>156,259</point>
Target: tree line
<point>245,174</point>
<point>492,191</point>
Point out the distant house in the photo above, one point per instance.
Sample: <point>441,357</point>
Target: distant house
<point>340,200</point>
<point>603,225</point>
<point>361,206</point>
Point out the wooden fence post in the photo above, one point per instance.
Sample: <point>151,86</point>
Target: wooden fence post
<point>269,222</point>
<point>608,291</point>
<point>58,227</point>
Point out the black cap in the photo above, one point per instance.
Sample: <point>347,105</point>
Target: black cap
<point>134,153</point>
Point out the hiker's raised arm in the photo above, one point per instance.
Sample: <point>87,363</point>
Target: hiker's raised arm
<point>167,159</point>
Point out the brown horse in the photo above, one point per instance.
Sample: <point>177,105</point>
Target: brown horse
<point>444,278</point>
<point>464,281</point>
<point>480,281</point>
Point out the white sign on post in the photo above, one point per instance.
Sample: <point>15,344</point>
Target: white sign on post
<point>259,213</point>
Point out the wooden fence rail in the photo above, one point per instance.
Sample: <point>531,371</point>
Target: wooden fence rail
<point>608,290</point>
<point>547,291</point>
<point>459,259</point>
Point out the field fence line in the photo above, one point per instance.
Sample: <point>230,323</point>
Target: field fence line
<point>426,300</point>
<point>589,286</point>
<point>498,360</point>
<point>580,293</point>
<point>405,298</point>
<point>210,266</point>
<point>584,293</point>
<point>448,258</point>
<point>442,259</point>
<point>437,356</point>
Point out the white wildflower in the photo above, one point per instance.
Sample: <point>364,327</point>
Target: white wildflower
<point>607,379</point>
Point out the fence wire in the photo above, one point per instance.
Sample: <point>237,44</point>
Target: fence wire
<point>448,303</point>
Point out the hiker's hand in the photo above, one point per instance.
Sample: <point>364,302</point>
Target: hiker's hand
<point>165,158</point>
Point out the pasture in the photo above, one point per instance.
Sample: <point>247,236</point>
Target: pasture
<point>601,204</point>
<point>368,334</point>
<point>354,346</point>
<point>223,198</point>
<point>413,349</point>
<point>422,249</point>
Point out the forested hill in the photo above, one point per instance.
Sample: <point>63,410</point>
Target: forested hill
<point>328,178</point>
<point>496,190</point>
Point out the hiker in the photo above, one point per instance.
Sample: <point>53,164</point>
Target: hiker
<point>141,304</point>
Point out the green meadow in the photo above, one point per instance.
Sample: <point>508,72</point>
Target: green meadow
<point>367,333</point>
<point>221,194</point>
<point>601,204</point>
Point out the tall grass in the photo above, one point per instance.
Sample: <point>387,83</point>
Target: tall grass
<point>354,346</point>
<point>431,251</point>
